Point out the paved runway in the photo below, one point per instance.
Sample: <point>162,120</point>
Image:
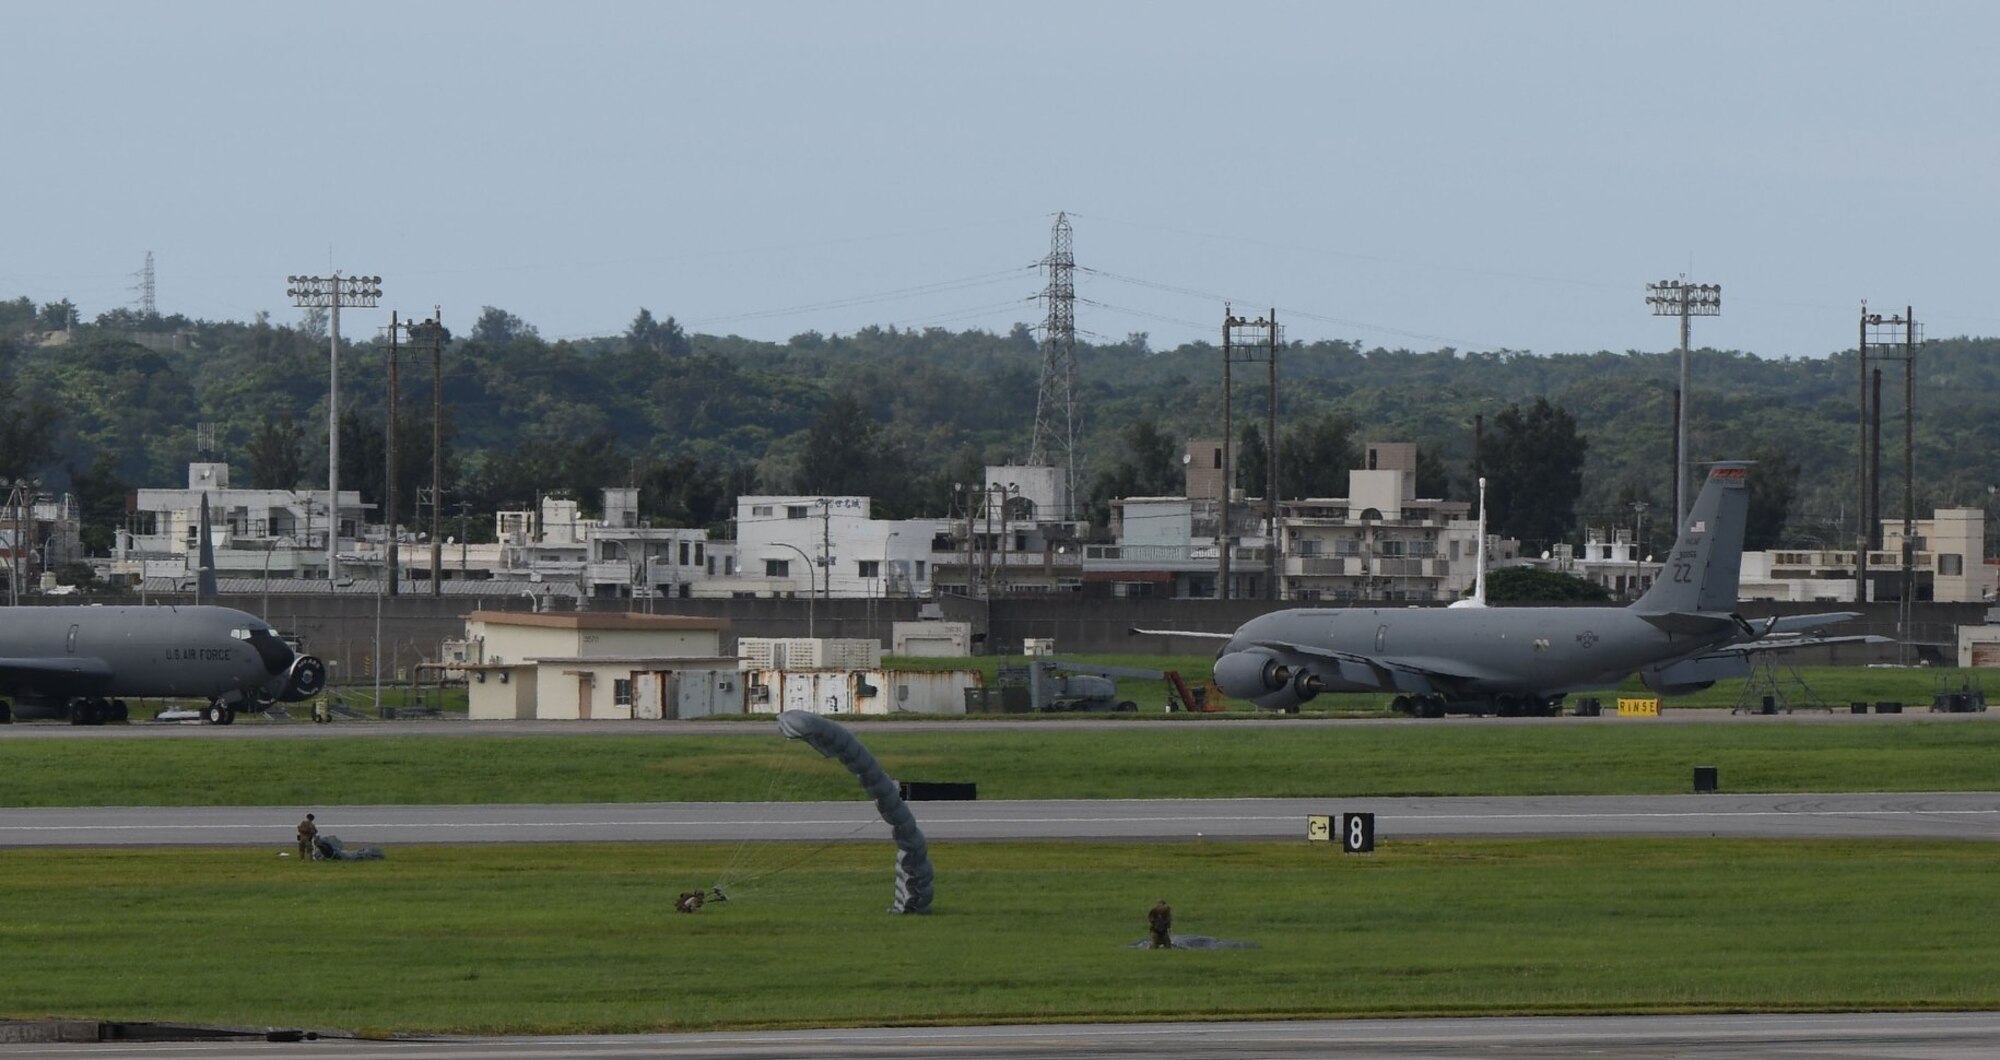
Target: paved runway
<point>1905,1036</point>
<point>1934,815</point>
<point>257,728</point>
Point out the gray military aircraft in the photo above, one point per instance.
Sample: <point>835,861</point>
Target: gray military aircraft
<point>1681,636</point>
<point>79,662</point>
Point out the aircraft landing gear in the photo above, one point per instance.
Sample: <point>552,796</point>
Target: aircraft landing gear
<point>96,711</point>
<point>1419,706</point>
<point>6,713</point>
<point>219,713</point>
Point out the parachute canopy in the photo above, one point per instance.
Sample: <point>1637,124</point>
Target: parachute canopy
<point>913,862</point>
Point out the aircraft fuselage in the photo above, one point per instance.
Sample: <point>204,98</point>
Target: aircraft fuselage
<point>53,656</point>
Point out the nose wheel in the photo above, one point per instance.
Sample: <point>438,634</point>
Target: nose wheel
<point>219,713</point>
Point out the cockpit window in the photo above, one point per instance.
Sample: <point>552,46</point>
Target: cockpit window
<point>240,633</point>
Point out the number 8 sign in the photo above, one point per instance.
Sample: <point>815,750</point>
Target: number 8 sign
<point>1357,833</point>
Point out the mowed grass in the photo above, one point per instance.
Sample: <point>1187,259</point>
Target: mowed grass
<point>1833,686</point>
<point>541,939</point>
<point>1217,760</point>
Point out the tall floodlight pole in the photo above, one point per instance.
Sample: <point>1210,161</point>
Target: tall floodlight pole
<point>1671,298</point>
<point>332,293</point>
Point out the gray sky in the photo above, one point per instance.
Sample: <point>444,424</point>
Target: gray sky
<point>1481,175</point>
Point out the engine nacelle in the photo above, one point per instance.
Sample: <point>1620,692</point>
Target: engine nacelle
<point>1693,675</point>
<point>1656,681</point>
<point>1264,679</point>
<point>1251,673</point>
<point>306,679</point>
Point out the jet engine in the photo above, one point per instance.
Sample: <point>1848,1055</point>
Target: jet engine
<point>1693,675</point>
<point>305,679</point>
<point>1263,678</point>
<point>1657,681</point>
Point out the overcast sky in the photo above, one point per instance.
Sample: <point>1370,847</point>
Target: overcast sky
<point>1479,175</point>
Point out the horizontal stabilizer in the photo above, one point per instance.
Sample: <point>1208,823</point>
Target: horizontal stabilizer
<point>1692,623</point>
<point>1802,623</point>
<point>1793,643</point>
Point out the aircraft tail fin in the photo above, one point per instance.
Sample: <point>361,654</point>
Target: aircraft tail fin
<point>204,582</point>
<point>1702,571</point>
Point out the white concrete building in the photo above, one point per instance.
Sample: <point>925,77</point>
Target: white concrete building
<point>254,531</point>
<point>1382,541</point>
<point>1949,564</point>
<point>825,546</point>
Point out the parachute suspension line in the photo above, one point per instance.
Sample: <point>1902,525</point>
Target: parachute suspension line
<point>801,859</point>
<point>780,786</point>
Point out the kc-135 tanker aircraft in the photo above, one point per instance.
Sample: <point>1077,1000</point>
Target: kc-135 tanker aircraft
<point>79,663</point>
<point>1682,636</point>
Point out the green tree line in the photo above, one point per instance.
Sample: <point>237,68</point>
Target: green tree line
<point>1566,440</point>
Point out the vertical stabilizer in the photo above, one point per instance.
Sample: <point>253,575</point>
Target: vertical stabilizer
<point>1702,571</point>
<point>204,579</point>
<point>1478,597</point>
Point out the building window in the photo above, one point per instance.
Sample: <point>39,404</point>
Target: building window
<point>760,509</point>
<point>920,570</point>
<point>698,561</point>
<point>621,691</point>
<point>777,568</point>
<point>868,568</point>
<point>796,511</point>
<point>684,553</point>
<point>1950,565</point>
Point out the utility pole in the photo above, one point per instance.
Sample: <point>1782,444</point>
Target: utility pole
<point>826,548</point>
<point>1674,298</point>
<point>332,293</point>
<point>436,329</point>
<point>395,539</point>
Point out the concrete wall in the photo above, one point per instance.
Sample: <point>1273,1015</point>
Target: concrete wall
<point>341,629</point>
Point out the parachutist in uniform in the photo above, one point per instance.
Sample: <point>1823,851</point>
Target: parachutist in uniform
<point>688,902</point>
<point>1160,921</point>
<point>308,831</point>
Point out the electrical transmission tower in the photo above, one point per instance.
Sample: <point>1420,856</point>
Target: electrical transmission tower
<point>145,288</point>
<point>1055,406</point>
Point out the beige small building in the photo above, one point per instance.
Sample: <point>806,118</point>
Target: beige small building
<point>590,665</point>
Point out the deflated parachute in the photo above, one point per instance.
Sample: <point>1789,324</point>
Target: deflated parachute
<point>913,863</point>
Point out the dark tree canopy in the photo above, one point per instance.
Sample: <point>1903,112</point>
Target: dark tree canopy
<point>1527,585</point>
<point>274,454</point>
<point>1773,482</point>
<point>1534,474</point>
<point>1315,457</point>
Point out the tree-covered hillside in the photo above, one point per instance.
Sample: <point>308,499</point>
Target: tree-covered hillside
<point>901,415</point>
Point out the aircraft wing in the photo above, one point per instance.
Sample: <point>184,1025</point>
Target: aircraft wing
<point>18,671</point>
<point>1190,633</point>
<point>1397,673</point>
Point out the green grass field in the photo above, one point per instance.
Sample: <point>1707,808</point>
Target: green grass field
<point>539,939</point>
<point>1468,757</point>
<point>1832,685</point>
